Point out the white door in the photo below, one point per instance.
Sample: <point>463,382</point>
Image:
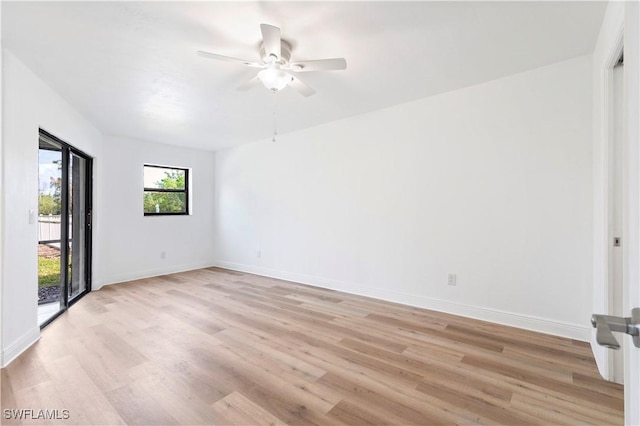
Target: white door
<point>631,286</point>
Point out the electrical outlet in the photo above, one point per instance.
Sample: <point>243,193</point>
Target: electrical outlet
<point>452,279</point>
<point>163,255</point>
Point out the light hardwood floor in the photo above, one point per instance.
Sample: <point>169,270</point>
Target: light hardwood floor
<point>221,347</point>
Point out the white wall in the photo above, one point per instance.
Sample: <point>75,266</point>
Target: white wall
<point>491,182</point>
<point>134,243</point>
<point>28,104</point>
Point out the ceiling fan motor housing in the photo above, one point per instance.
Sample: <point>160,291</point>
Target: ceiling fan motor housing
<point>285,53</point>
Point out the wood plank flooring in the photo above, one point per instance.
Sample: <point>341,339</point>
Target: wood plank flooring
<point>213,346</point>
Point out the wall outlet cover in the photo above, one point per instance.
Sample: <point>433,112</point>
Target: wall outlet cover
<point>452,279</point>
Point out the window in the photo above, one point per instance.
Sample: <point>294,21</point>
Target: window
<point>166,190</point>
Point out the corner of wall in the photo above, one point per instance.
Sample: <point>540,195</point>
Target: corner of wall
<point>13,350</point>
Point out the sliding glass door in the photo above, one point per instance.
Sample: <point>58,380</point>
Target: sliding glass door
<point>64,221</point>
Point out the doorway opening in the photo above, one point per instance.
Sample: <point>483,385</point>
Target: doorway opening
<point>64,226</point>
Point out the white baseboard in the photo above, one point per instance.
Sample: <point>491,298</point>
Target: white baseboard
<point>542,325</point>
<point>138,275</point>
<point>23,343</point>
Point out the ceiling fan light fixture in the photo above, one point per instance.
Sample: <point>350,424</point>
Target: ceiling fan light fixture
<point>274,79</point>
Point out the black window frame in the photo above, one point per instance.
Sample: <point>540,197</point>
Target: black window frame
<point>184,191</point>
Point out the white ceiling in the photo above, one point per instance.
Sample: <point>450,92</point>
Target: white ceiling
<point>131,67</point>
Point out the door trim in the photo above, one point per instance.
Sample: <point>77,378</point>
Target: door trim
<point>603,199</point>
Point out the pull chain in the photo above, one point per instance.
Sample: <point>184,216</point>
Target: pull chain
<point>275,116</point>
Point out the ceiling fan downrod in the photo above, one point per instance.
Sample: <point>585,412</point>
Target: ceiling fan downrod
<point>275,116</point>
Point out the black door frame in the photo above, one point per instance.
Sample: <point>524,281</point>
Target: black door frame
<point>67,150</point>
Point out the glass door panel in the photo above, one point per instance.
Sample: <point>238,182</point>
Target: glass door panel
<point>49,229</point>
<point>77,278</point>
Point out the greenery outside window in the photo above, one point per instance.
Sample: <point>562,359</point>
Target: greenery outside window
<point>166,190</point>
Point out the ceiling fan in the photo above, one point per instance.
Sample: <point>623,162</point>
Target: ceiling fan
<point>277,72</point>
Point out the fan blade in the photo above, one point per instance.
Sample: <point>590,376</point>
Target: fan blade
<point>300,86</point>
<point>249,84</point>
<point>271,40</point>
<point>319,65</point>
<point>228,59</point>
